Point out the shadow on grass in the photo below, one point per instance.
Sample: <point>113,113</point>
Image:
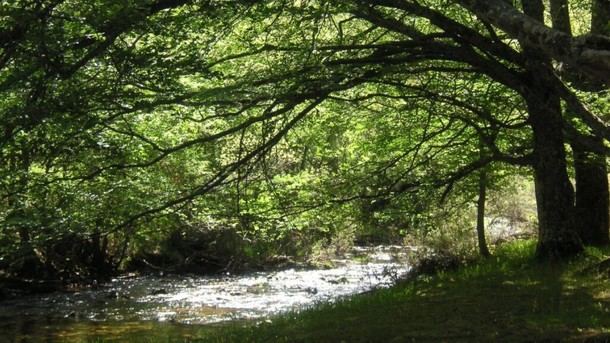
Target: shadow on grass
<point>508,300</point>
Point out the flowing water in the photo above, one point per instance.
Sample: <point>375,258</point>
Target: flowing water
<point>182,307</point>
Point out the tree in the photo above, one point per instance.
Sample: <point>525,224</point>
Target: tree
<point>231,81</point>
<point>587,53</point>
<point>590,171</point>
<point>557,237</point>
<point>481,240</point>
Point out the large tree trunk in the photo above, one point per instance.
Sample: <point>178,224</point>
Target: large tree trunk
<point>591,197</point>
<point>590,168</point>
<point>592,203</point>
<point>600,15</point>
<point>557,237</point>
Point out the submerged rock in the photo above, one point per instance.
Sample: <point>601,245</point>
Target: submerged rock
<point>311,290</point>
<point>258,288</point>
<point>166,316</point>
<point>158,291</point>
<point>342,279</point>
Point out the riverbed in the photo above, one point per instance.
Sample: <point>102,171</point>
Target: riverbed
<point>182,307</point>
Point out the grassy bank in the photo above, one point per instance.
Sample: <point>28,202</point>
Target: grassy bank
<point>505,298</point>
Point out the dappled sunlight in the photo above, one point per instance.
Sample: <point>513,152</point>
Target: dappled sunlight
<point>177,170</point>
<point>531,302</point>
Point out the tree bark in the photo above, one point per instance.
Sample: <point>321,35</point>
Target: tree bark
<point>600,17</point>
<point>591,197</point>
<point>560,16</point>
<point>590,54</point>
<point>483,249</point>
<point>557,236</point>
<point>591,208</point>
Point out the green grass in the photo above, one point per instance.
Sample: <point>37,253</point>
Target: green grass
<point>505,298</point>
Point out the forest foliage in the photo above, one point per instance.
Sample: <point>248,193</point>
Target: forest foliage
<point>224,133</point>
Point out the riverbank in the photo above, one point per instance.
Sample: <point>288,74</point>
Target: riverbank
<point>175,307</point>
<point>13,287</point>
<point>505,298</point>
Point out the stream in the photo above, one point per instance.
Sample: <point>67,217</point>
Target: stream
<point>182,307</point>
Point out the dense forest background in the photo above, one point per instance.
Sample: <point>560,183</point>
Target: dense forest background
<point>207,135</point>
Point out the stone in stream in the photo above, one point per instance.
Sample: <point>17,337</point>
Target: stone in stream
<point>166,316</point>
<point>311,290</point>
<point>258,288</point>
<point>158,291</point>
<point>338,281</point>
<point>116,295</point>
<point>73,315</point>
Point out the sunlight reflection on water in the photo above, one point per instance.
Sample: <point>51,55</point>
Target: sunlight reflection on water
<point>203,300</point>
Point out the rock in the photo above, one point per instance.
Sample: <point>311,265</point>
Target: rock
<point>116,295</point>
<point>158,291</point>
<point>434,263</point>
<point>338,281</point>
<point>166,316</point>
<point>258,288</point>
<point>311,290</point>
